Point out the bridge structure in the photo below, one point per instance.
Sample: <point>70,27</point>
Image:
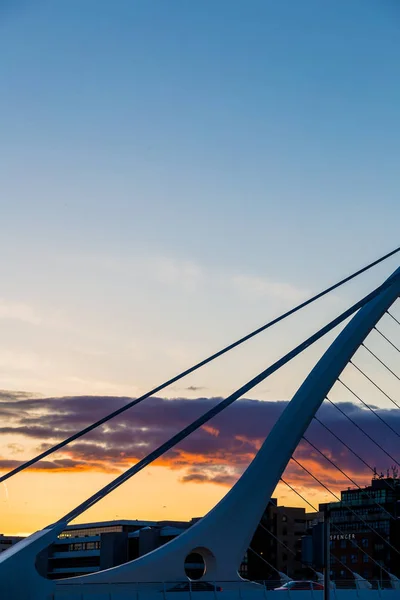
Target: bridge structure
<point>222,537</point>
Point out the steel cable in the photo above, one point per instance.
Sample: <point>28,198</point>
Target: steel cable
<point>363,431</point>
<point>394,318</point>
<point>194,368</point>
<point>358,516</point>
<point>375,384</point>
<point>336,528</point>
<point>180,436</point>
<point>349,478</point>
<point>381,361</point>
<point>378,416</point>
<point>348,447</point>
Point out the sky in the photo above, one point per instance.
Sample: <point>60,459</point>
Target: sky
<point>173,175</point>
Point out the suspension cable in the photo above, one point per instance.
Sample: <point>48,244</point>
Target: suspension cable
<point>394,318</point>
<point>363,491</point>
<point>298,493</point>
<point>387,339</point>
<point>350,509</point>
<point>369,408</point>
<point>194,368</point>
<point>375,384</point>
<point>381,361</point>
<point>363,431</point>
<point>277,539</point>
<point>283,544</point>
<point>152,456</point>
<point>346,506</point>
<point>281,510</point>
<point>347,446</point>
<point>334,526</point>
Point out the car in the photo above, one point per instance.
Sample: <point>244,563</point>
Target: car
<point>195,586</point>
<point>291,586</point>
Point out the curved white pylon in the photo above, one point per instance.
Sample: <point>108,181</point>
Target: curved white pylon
<point>223,536</point>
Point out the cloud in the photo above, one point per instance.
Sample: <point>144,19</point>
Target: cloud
<point>170,271</point>
<point>22,361</point>
<point>189,276</point>
<point>195,388</point>
<point>217,453</point>
<point>263,287</point>
<point>19,311</point>
<point>167,271</point>
<point>8,395</point>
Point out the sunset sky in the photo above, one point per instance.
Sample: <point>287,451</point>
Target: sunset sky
<point>173,175</point>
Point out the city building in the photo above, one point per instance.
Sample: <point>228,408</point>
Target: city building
<point>276,544</point>
<point>8,540</point>
<point>356,548</point>
<point>90,547</point>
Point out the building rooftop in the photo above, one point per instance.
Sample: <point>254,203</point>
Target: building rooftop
<point>113,523</point>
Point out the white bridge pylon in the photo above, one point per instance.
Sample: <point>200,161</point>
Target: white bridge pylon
<point>224,534</point>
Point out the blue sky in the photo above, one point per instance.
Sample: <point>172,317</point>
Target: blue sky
<point>175,173</point>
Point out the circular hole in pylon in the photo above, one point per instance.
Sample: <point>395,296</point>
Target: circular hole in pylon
<point>195,566</point>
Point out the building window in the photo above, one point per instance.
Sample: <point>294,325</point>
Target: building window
<point>364,542</point>
<point>365,558</point>
<point>343,543</point>
<point>353,558</point>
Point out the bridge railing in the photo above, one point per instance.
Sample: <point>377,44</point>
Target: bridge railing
<point>214,590</point>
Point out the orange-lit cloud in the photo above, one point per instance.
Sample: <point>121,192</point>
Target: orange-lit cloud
<point>217,453</point>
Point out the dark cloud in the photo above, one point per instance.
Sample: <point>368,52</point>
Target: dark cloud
<point>217,453</point>
<point>12,395</point>
<point>195,388</point>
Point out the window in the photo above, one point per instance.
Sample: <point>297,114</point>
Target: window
<point>90,531</point>
<point>353,558</point>
<point>78,547</point>
<point>364,542</point>
<point>365,558</point>
<point>343,543</point>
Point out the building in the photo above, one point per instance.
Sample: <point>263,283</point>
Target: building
<point>91,547</point>
<point>355,548</point>
<point>277,542</point>
<point>8,540</point>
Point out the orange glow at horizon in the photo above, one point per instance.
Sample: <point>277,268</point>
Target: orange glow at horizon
<point>36,499</point>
